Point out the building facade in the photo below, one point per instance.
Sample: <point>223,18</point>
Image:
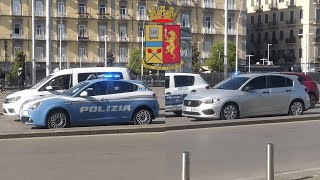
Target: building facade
<point>290,27</point>
<point>84,24</point>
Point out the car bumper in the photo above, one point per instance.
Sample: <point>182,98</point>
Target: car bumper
<point>174,108</point>
<point>204,111</point>
<point>30,117</point>
<point>11,109</point>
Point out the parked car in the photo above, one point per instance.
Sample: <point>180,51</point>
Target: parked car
<point>97,101</point>
<point>56,83</point>
<point>178,86</point>
<point>312,86</point>
<point>249,95</point>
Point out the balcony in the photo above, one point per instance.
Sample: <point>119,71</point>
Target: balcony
<point>61,14</point>
<point>83,38</point>
<point>103,15</point>
<point>232,32</point>
<point>63,37</point>
<point>207,30</point>
<point>38,13</point>
<point>232,7</point>
<point>139,39</point>
<point>272,24</point>
<point>142,17</point>
<point>123,39</point>
<point>273,6</point>
<point>83,15</point>
<point>291,40</point>
<point>16,12</point>
<point>291,3</point>
<point>17,36</point>
<point>186,3</point>
<point>316,2</point>
<point>291,21</point>
<point>39,36</point>
<point>208,5</point>
<point>258,8</point>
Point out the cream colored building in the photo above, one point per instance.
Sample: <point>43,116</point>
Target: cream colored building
<point>83,23</point>
<point>279,22</point>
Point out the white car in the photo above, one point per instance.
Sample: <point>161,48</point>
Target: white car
<point>57,82</point>
<point>178,86</point>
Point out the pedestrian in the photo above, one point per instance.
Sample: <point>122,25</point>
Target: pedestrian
<point>21,78</point>
<point>2,81</point>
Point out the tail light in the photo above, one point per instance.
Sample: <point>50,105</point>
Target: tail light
<point>155,96</point>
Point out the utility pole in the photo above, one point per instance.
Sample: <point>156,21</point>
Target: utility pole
<point>237,38</point>
<point>60,41</point>
<point>249,63</point>
<point>268,53</point>
<point>105,51</point>
<point>48,36</point>
<point>34,70</point>
<point>307,50</point>
<point>225,63</point>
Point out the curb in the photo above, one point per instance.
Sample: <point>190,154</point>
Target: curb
<point>250,121</point>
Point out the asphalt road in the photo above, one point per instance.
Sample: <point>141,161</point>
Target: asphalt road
<point>233,153</point>
<point>114,157</point>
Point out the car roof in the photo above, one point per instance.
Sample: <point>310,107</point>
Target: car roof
<point>104,79</point>
<point>179,73</point>
<point>263,74</point>
<point>305,76</point>
<point>89,69</point>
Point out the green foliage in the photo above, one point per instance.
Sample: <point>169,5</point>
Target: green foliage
<point>195,59</point>
<point>135,61</point>
<point>19,62</point>
<point>215,63</point>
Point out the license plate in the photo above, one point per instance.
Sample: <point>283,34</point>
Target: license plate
<point>25,113</point>
<point>188,109</point>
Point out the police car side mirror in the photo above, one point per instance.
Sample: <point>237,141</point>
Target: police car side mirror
<point>84,94</point>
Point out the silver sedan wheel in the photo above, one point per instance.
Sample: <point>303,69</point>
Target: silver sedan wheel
<point>296,108</point>
<point>230,112</point>
<point>312,101</point>
<point>58,120</point>
<point>143,117</point>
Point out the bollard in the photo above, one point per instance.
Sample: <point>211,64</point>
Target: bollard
<point>185,166</point>
<point>270,162</point>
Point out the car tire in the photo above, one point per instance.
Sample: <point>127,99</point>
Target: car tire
<point>313,100</point>
<point>142,116</point>
<point>58,119</point>
<point>229,111</point>
<point>178,113</point>
<point>296,108</point>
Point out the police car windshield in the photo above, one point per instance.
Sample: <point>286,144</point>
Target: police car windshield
<point>233,83</point>
<point>41,82</point>
<point>75,89</point>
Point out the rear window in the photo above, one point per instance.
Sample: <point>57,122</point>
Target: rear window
<point>167,81</point>
<point>279,81</point>
<point>111,75</point>
<point>181,81</point>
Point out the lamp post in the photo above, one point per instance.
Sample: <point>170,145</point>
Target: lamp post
<point>269,52</point>
<point>33,45</point>
<point>225,62</point>
<point>105,50</point>
<point>307,50</point>
<point>237,38</point>
<point>142,41</point>
<point>249,61</point>
<point>263,59</point>
<point>60,42</point>
<point>218,59</point>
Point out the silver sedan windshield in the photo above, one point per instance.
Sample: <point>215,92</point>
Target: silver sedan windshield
<point>233,83</point>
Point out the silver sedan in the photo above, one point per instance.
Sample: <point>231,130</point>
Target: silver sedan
<point>249,95</point>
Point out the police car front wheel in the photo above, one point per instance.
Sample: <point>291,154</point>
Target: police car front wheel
<point>142,116</point>
<point>57,119</point>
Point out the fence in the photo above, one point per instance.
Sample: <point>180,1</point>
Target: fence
<point>151,80</point>
<point>213,78</point>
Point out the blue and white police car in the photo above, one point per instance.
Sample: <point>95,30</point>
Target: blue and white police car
<point>97,101</point>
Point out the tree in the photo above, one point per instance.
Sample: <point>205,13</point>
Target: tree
<point>195,59</point>
<point>215,62</point>
<point>135,61</point>
<point>19,62</point>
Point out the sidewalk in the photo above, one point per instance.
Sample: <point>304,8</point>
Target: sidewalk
<point>308,174</point>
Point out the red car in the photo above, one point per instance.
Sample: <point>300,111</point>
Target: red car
<point>310,84</point>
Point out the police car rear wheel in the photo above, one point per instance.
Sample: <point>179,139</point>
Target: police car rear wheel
<point>57,119</point>
<point>142,116</point>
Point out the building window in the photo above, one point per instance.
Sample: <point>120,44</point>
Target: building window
<point>252,20</point>
<point>301,14</point>
<point>281,16</point>
<point>259,37</point>
<point>102,30</point>
<point>185,20</point>
<point>123,11</point>
<point>318,54</point>
<point>101,54</point>
<point>16,48</point>
<point>259,19</point>
<point>61,29</point>
<point>266,18</point>
<point>252,37</point>
<point>230,23</point>
<point>102,9</point>
<point>61,8</point>
<point>281,1</point>
<point>141,31</point>
<point>39,30</point>
<point>82,8</point>
<point>318,15</point>
<point>300,31</point>
<point>142,11</point>
<point>281,35</point>
<point>266,36</point>
<point>17,28</point>
<point>207,22</point>
<point>16,7</point>
<point>39,8</point>
<point>123,54</point>
<point>39,53</point>
<point>274,35</point>
<point>82,53</point>
<point>207,48</point>
<point>82,31</point>
<point>123,31</point>
<point>300,53</point>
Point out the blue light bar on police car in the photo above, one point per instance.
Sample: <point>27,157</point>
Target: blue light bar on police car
<point>111,75</point>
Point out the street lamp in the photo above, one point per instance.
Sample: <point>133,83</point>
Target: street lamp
<point>237,37</point>
<point>269,52</point>
<point>105,50</point>
<point>307,50</point>
<point>218,59</point>
<point>249,61</point>
<point>263,59</point>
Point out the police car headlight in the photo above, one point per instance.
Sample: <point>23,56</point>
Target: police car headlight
<point>34,106</point>
<point>211,101</point>
<point>13,99</point>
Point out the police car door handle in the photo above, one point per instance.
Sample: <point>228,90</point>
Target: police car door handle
<point>168,93</point>
<point>193,91</point>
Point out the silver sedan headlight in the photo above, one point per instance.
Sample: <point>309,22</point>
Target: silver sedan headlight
<point>34,106</point>
<point>13,99</point>
<point>211,101</point>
